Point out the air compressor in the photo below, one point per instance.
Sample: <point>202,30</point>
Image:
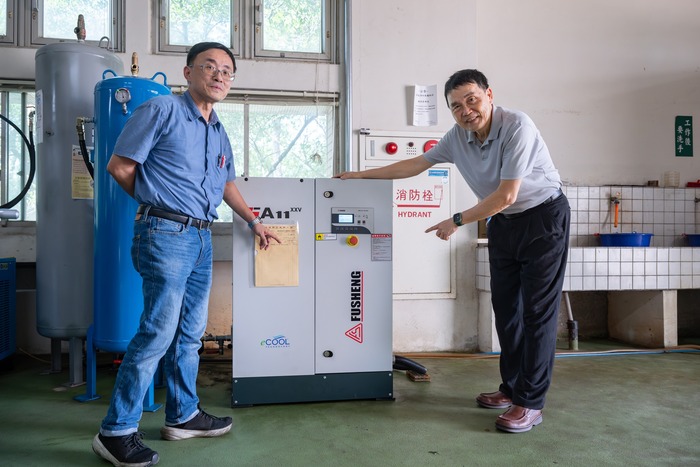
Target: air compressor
<point>118,301</point>
<point>65,200</point>
<point>312,316</point>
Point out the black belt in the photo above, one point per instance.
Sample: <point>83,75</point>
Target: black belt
<point>527,211</point>
<point>171,216</point>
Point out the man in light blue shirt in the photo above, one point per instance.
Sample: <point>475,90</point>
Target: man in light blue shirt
<point>504,160</point>
<point>174,157</point>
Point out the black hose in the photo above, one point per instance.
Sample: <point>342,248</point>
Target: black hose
<point>32,163</point>
<point>86,158</point>
<point>403,363</point>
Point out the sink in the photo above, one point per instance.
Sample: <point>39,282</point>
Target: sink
<point>625,239</point>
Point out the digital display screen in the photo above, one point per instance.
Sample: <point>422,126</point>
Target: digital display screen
<point>346,218</point>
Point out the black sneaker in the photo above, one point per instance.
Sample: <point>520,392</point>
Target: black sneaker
<point>124,451</point>
<point>202,425</point>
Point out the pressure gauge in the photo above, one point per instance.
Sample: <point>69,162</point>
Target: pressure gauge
<point>122,95</point>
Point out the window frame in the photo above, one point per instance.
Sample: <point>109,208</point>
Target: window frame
<point>330,33</point>
<point>21,88</point>
<point>161,21</point>
<point>247,33</point>
<point>34,28</point>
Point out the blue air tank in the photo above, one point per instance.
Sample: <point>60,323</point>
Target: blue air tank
<point>118,295</point>
<point>65,74</point>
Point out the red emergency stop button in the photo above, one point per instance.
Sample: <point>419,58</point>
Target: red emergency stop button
<point>391,148</point>
<point>429,145</point>
<point>352,240</point>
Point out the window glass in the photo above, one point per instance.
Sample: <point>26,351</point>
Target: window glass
<point>60,17</point>
<point>192,21</point>
<point>293,25</point>
<point>56,20</point>
<point>7,22</point>
<point>283,140</point>
<point>3,22</point>
<point>290,141</point>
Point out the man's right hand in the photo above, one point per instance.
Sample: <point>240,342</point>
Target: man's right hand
<point>347,175</point>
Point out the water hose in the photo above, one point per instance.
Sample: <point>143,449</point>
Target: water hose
<point>406,364</point>
<point>690,348</point>
<point>80,127</point>
<point>32,159</point>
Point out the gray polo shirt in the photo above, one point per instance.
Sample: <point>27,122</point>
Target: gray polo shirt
<point>184,161</point>
<point>513,150</point>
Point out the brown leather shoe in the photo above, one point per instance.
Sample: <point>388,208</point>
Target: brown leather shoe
<point>518,419</point>
<point>493,400</point>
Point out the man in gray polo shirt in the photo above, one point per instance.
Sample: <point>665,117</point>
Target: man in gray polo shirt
<point>504,160</point>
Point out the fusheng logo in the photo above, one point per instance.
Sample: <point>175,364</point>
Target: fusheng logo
<point>276,342</point>
<point>357,305</point>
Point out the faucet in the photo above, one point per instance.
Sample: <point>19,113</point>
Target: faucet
<point>615,200</point>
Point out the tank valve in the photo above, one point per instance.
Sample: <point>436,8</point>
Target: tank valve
<point>134,64</point>
<point>80,29</point>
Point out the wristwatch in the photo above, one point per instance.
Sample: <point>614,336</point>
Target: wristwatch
<point>254,222</point>
<point>457,219</point>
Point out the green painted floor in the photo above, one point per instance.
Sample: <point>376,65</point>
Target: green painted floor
<point>602,410</point>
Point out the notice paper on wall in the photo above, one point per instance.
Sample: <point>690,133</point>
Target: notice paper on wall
<point>278,266</point>
<point>425,105</point>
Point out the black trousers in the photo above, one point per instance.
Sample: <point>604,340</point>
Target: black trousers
<point>527,258</point>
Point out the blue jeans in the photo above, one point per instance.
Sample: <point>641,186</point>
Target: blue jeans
<point>175,263</point>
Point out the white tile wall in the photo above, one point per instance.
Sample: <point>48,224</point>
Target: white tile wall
<point>612,268</point>
<point>667,213</point>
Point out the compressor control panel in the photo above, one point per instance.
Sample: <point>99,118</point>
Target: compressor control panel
<point>352,220</point>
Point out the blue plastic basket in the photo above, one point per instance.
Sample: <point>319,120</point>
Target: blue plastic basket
<point>626,239</point>
<point>693,239</point>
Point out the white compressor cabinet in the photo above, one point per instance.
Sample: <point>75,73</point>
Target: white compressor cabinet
<point>312,316</point>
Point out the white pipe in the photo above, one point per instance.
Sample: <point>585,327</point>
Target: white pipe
<point>347,101</point>
<point>568,306</point>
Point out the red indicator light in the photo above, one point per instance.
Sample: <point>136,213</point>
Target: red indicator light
<point>391,148</point>
<point>429,145</point>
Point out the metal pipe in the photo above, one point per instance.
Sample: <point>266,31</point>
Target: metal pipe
<point>347,101</point>
<point>79,30</point>
<point>134,64</point>
<point>571,325</point>
<point>9,214</point>
<point>615,200</point>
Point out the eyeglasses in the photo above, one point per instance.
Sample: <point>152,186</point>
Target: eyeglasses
<point>211,70</point>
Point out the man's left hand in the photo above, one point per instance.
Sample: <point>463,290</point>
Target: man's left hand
<point>265,235</point>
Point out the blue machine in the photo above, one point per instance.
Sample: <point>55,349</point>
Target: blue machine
<point>118,299</point>
<point>8,294</point>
